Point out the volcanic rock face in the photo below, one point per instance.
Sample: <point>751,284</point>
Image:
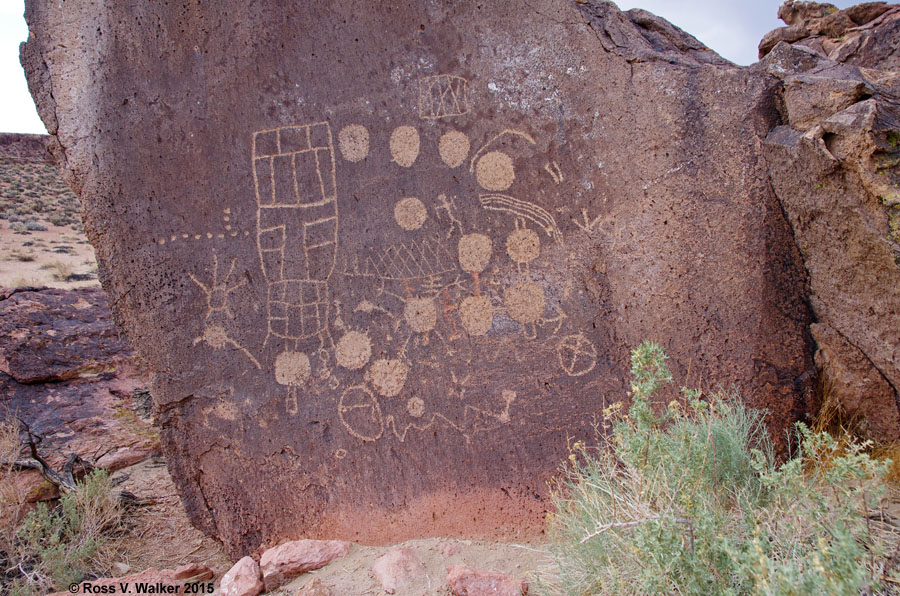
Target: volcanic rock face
<point>385,258</point>
<point>834,166</point>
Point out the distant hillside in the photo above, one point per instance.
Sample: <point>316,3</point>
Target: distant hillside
<point>25,147</point>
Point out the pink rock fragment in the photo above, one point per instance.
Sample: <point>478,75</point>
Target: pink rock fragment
<point>243,579</point>
<point>466,581</point>
<point>395,568</point>
<point>281,563</point>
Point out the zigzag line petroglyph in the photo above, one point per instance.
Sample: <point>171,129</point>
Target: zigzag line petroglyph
<point>464,429</point>
<point>524,209</point>
<point>401,262</point>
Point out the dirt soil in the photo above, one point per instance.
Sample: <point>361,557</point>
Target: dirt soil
<point>41,242</point>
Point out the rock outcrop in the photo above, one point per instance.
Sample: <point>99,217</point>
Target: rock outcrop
<point>866,35</point>
<point>385,259</point>
<point>66,374</point>
<point>834,166</point>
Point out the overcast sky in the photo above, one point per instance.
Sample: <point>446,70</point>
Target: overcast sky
<point>733,28</point>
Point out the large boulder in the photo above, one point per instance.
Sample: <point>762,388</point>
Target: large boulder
<point>386,259</point>
<point>834,166</point>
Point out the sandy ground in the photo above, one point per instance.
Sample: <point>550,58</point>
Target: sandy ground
<point>58,257</point>
<point>352,574</point>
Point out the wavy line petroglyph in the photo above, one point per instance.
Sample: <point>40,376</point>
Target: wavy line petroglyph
<point>523,209</point>
<point>469,427</point>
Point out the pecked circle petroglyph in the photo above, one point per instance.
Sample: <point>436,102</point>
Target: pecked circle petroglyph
<point>215,336</point>
<point>360,413</point>
<point>474,252</point>
<point>416,407</point>
<point>476,314</point>
<point>292,368</point>
<point>404,145</point>
<point>410,213</point>
<point>420,314</point>
<point>523,245</point>
<point>353,350</point>
<point>525,302</point>
<point>353,141</point>
<point>494,171</point>
<point>453,148</point>
<point>387,376</point>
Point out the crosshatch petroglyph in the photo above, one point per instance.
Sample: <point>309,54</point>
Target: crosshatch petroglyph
<point>404,338</point>
<point>443,96</point>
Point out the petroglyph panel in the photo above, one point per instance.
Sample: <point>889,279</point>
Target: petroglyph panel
<point>409,253</point>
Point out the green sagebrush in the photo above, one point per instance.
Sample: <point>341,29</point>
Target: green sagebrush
<point>688,499</point>
<point>64,545</point>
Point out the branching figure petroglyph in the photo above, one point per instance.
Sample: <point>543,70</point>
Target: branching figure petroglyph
<point>217,293</point>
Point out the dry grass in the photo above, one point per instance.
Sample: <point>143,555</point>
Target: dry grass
<point>13,498</point>
<point>848,430</point>
<point>21,255</point>
<point>59,270</point>
<point>46,547</point>
<point>23,282</point>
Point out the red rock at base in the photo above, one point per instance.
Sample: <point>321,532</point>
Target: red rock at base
<point>466,581</point>
<point>243,579</point>
<point>396,567</point>
<point>281,563</point>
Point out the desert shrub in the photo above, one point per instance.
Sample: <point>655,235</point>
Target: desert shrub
<point>59,270</point>
<point>23,256</point>
<point>66,544</point>
<point>35,226</point>
<point>688,499</point>
<point>44,548</point>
